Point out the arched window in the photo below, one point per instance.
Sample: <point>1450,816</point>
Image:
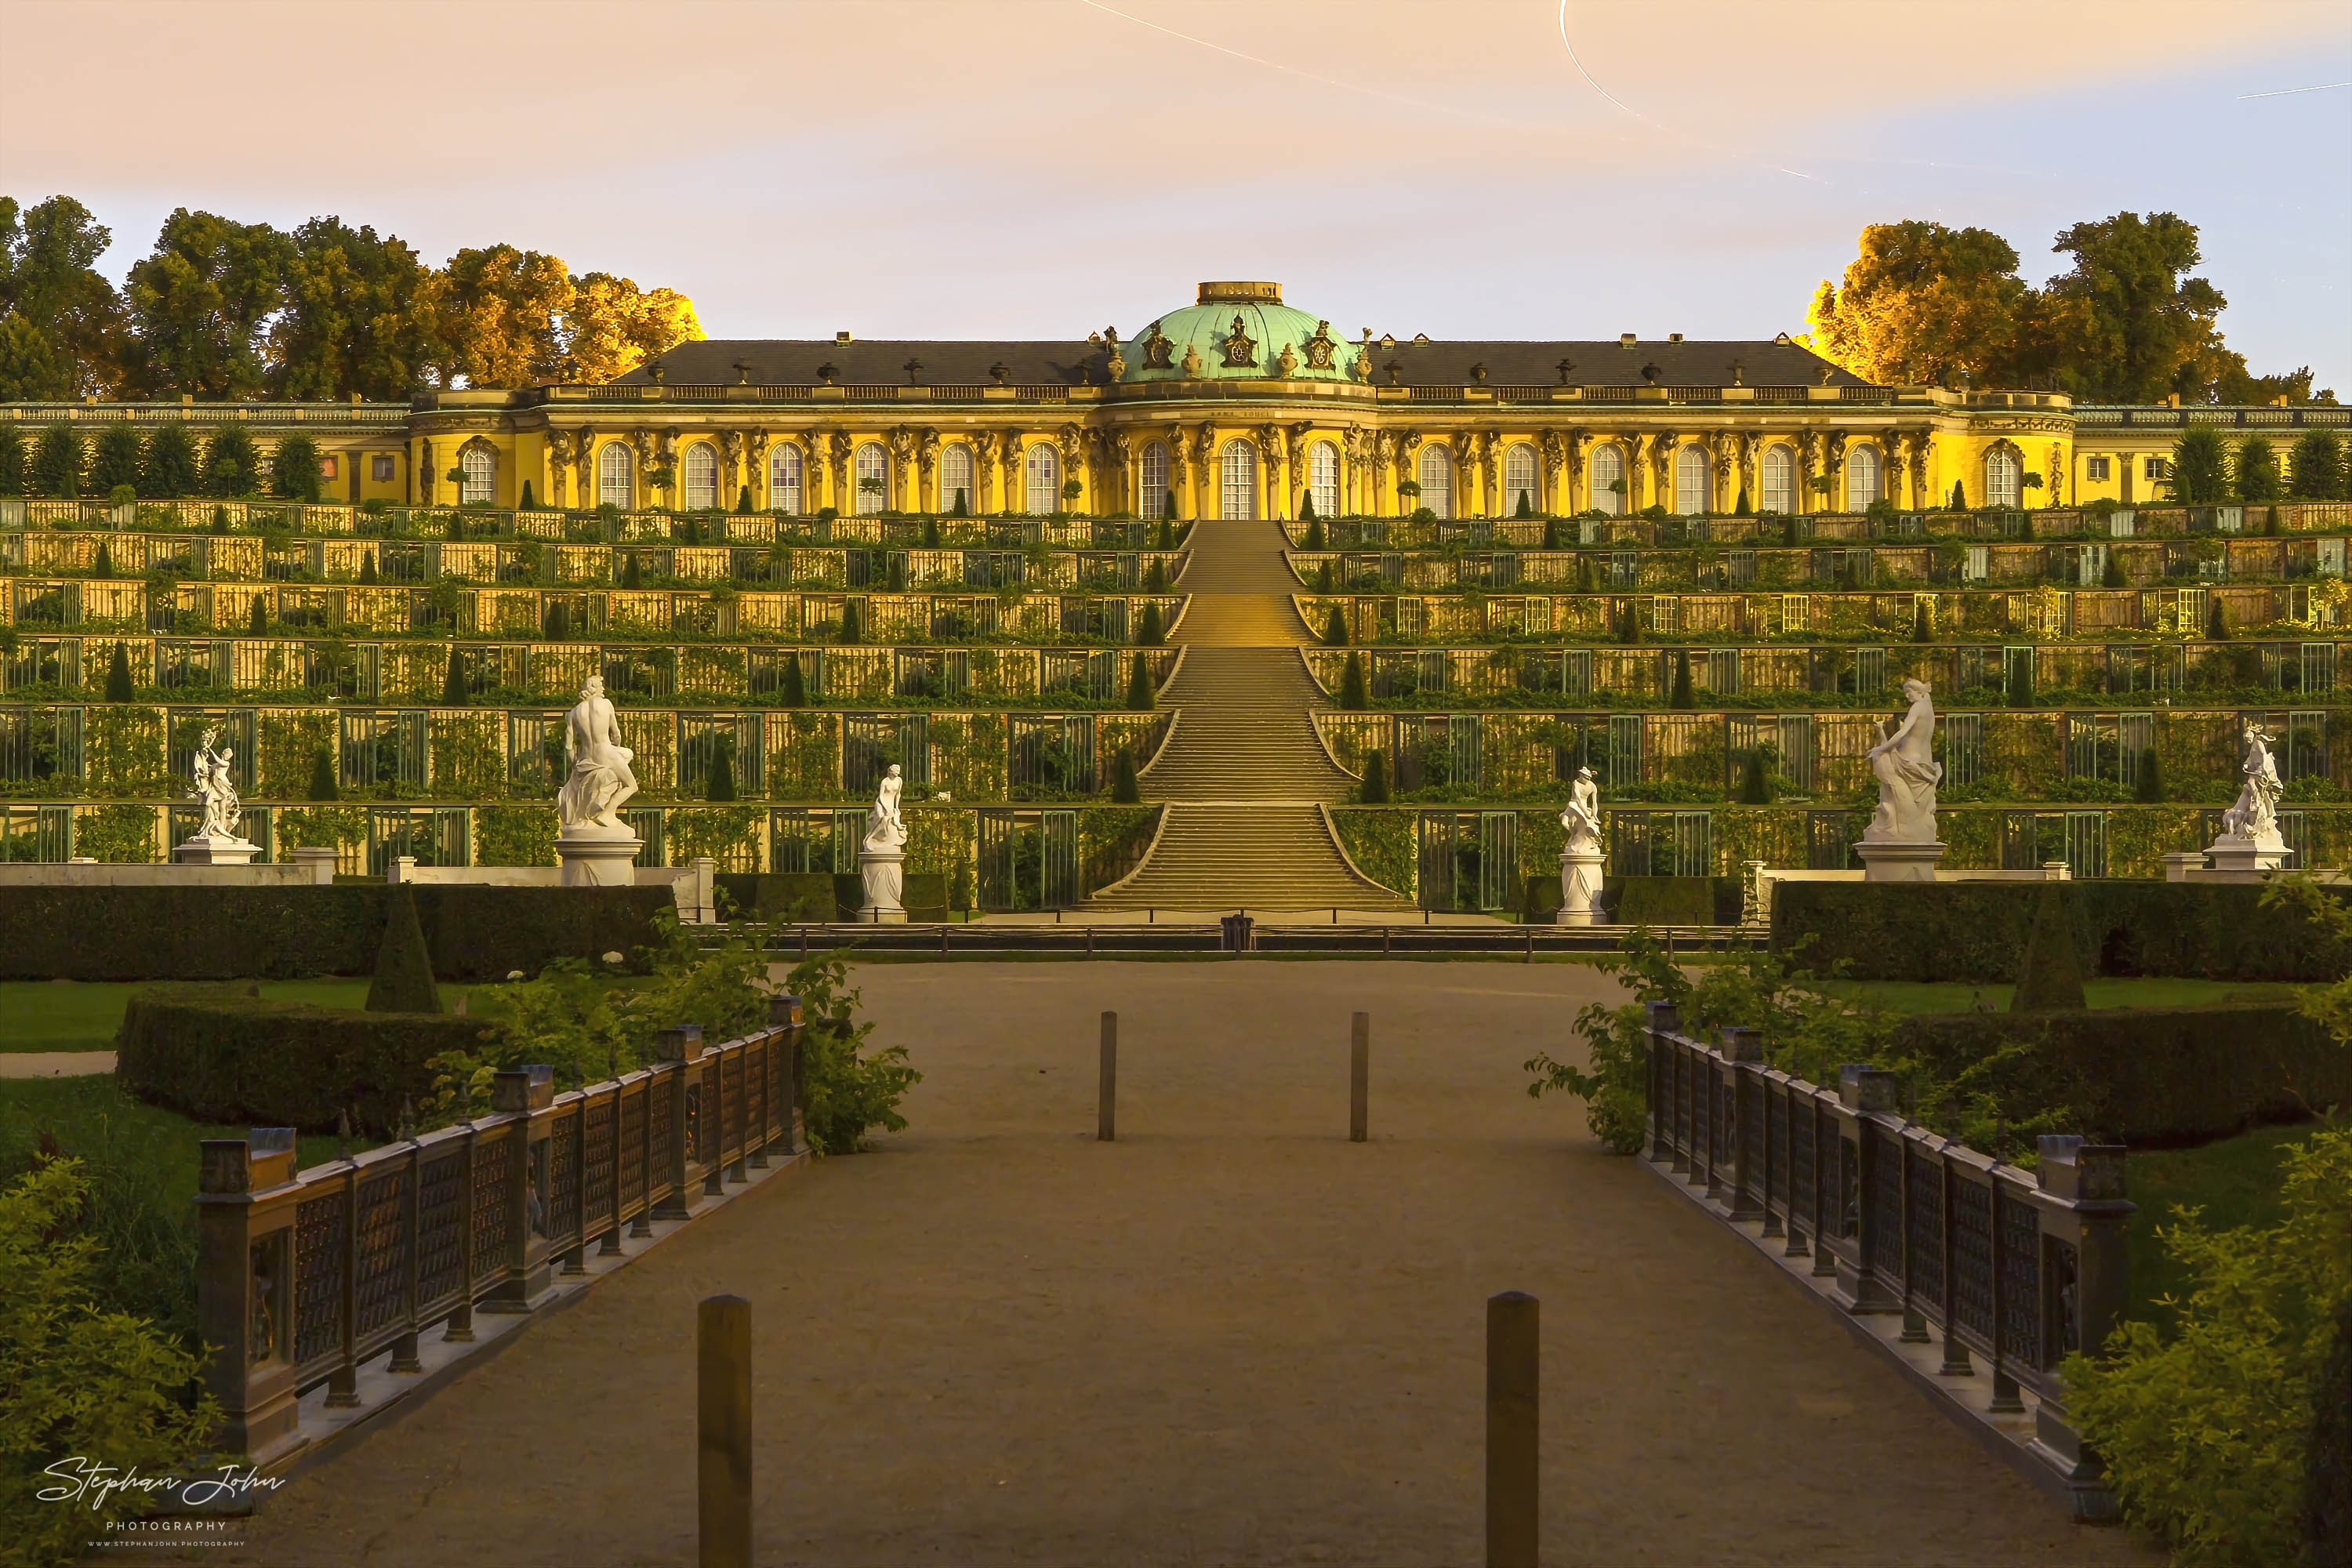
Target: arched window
<point>2002,476</point>
<point>1609,479</point>
<point>1154,500</point>
<point>1042,467</point>
<point>616,476</point>
<point>873,480</point>
<point>1692,482</point>
<point>1323,478</point>
<point>1519,481</point>
<point>481,467</point>
<point>700,472</point>
<point>1437,478</point>
<point>1777,489</point>
<point>785,479</point>
<point>955,480</point>
<point>1863,480</point>
<point>1240,470</point>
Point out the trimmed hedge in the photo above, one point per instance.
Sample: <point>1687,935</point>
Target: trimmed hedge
<point>1976,930</point>
<point>1647,901</point>
<point>220,1055</point>
<point>790,897</point>
<point>2149,1074</point>
<point>277,933</point>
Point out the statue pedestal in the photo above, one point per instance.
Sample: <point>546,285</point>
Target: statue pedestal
<point>214,849</point>
<point>1884,861</point>
<point>598,858</point>
<point>1579,887</point>
<point>2245,859</point>
<point>882,868</point>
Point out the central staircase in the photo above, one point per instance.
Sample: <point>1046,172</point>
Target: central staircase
<point>1243,776</point>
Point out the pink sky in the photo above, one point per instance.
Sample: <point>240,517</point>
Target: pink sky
<point>978,168</point>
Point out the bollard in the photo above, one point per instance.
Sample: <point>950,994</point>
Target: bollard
<point>1360,1075</point>
<point>1106,1107</point>
<point>1511,1407</point>
<point>723,1440</point>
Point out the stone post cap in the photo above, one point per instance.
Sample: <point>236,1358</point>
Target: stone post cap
<point>784,1011</point>
<point>1742,1044</point>
<point>679,1043</point>
<point>523,1089</point>
<point>2070,1168</point>
<point>263,1158</point>
<point>1862,1086</point>
<point>1666,1018</point>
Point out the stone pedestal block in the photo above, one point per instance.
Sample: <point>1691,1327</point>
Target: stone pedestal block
<point>882,868</point>
<point>1579,887</point>
<point>213,849</point>
<point>2247,858</point>
<point>598,859</point>
<point>1886,862</point>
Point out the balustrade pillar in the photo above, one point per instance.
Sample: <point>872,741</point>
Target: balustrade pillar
<point>678,1055</point>
<point>528,1096</point>
<point>244,1272</point>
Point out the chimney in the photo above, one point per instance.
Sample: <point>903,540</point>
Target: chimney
<point>1626,340</point>
<point>841,336</point>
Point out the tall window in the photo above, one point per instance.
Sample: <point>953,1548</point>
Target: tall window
<point>1519,481</point>
<point>1778,486</point>
<point>700,471</point>
<point>1154,500</point>
<point>1864,478</point>
<point>785,479</point>
<point>616,476</point>
<point>1042,465</point>
<point>1691,482</point>
<point>1609,479</point>
<point>1240,472</point>
<point>481,467</point>
<point>1437,478</point>
<point>955,478</point>
<point>1323,478</point>
<point>2001,478</point>
<point>873,480</point>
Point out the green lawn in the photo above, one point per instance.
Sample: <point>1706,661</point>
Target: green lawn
<point>90,1116</point>
<point>2234,1181</point>
<point>77,1016</point>
<point>1958,997</point>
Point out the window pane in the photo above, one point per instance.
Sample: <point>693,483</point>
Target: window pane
<point>1240,497</point>
<point>1323,479</point>
<point>1519,480</point>
<point>1779,484</point>
<point>616,477</point>
<point>481,467</point>
<point>701,477</point>
<point>873,480</point>
<point>1043,468</point>
<point>955,478</point>
<point>1608,472</point>
<point>1154,498</point>
<point>1437,480</point>
<point>1691,482</point>
<point>784,480</point>
<point>1862,483</point>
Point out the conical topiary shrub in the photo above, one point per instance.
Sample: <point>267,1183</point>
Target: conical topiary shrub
<point>1124,789</point>
<point>1150,632</point>
<point>1375,790</point>
<point>2050,975</point>
<point>1139,699</point>
<point>118,674</point>
<point>795,692</point>
<point>403,970</point>
<point>454,690</point>
<point>1352,696</point>
<point>322,776</point>
<point>1335,628</point>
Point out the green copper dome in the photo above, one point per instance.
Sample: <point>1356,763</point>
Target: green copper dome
<point>1237,330</point>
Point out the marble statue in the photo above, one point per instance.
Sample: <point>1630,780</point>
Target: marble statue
<point>1581,854</point>
<point>1907,773</point>
<point>1582,818</point>
<point>881,858</point>
<point>215,789</point>
<point>600,778</point>
<point>2254,816</point>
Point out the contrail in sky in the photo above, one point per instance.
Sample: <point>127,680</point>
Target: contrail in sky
<point>2290,91</point>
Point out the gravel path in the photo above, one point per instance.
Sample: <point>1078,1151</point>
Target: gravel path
<point>1231,1338</point>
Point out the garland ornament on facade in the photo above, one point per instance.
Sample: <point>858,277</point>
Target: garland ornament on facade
<point>1157,350</point>
<point>1240,348</point>
<point>1900,844</point>
<point>1322,348</point>
<point>595,848</point>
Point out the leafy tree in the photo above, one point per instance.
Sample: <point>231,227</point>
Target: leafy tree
<point>357,316</point>
<point>2200,473</point>
<point>1140,695</point>
<point>116,459</point>
<point>84,1378</point>
<point>2125,325</point>
<point>2254,473</point>
<point>1335,629</point>
<point>61,322</point>
<point>294,469</point>
<point>58,461</point>
<point>12,460</point>
<point>201,302</point>
<point>118,674</point>
<point>2318,467</point>
<point>848,1090</point>
<point>1374,791</point>
<point>610,326</point>
<point>169,469</point>
<point>496,314</point>
<point>1352,695</point>
<point>1922,303</point>
<point>232,464</point>
<point>1125,788</point>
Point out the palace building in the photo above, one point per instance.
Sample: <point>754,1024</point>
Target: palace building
<point>1236,406</point>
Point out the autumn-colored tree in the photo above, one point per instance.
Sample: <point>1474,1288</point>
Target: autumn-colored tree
<point>1923,303</point>
<point>199,301</point>
<point>497,315</point>
<point>613,326</point>
<point>357,317</point>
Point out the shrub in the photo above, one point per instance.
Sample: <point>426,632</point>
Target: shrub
<point>2048,975</point>
<point>1375,787</point>
<point>1922,630</point>
<point>114,465</point>
<point>76,1378</point>
<point>795,692</point>
<point>232,464</point>
<point>55,468</point>
<point>1335,629</point>
<point>1139,698</point>
<point>1351,684</point>
<point>1755,780</point>
<point>1124,788</point>
<point>1680,697</point>
<point>322,776</point>
<point>118,674</point>
<point>2317,467</point>
<point>403,970</point>
<point>845,1091</point>
<point>2208,1435</point>
<point>294,469</point>
<point>1151,633</point>
<point>1314,526</point>
<point>2150,785</point>
<point>849,620</point>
